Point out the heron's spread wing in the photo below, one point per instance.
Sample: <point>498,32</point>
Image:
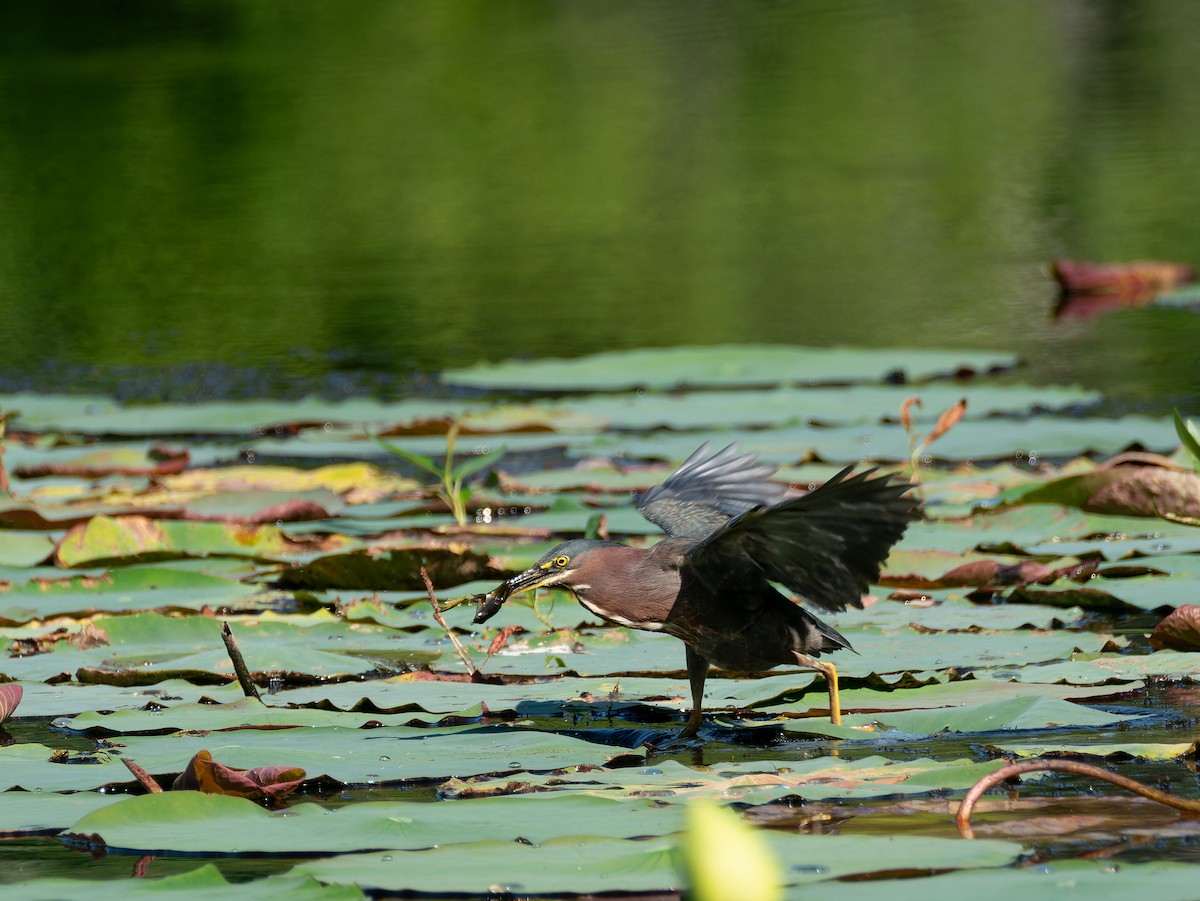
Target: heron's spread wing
<point>707,491</point>
<point>826,546</point>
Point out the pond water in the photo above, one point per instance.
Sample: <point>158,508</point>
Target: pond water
<point>227,198</point>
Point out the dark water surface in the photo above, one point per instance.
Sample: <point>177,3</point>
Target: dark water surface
<point>230,198</point>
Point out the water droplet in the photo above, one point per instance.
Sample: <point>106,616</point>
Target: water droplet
<point>384,758</point>
<point>514,763</point>
<point>650,771</point>
<point>1045,869</point>
<point>1111,868</point>
<point>817,868</point>
<point>386,858</point>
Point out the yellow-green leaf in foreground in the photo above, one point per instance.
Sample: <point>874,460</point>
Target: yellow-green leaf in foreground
<point>726,859</point>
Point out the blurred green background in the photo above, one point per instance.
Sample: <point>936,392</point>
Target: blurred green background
<point>210,197</point>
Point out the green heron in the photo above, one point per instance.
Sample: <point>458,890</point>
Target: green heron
<point>731,533</point>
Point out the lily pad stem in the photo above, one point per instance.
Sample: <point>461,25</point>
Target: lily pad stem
<point>239,663</point>
<point>963,818</point>
<point>148,782</point>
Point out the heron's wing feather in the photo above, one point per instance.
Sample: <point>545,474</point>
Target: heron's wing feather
<point>707,491</point>
<point>826,546</point>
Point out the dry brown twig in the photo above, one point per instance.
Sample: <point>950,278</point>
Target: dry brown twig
<point>463,655</point>
<point>239,663</point>
<point>963,818</point>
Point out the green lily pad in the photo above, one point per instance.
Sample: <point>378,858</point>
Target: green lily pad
<point>202,884</point>
<point>568,865</point>
<point>1120,750</point>
<point>1030,712</point>
<point>388,754</point>
<point>22,811</point>
<point>670,368</point>
<point>104,539</point>
<point>244,713</point>
<point>25,548</point>
<point>195,823</point>
<point>1094,880</point>
<point>127,589</point>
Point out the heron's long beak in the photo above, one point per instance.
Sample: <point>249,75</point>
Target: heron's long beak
<point>489,604</point>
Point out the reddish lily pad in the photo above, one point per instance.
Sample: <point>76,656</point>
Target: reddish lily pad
<point>1129,490</point>
<point>1179,630</point>
<point>259,783</point>
<point>10,697</point>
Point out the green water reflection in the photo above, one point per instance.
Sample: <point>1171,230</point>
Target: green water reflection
<point>380,186</point>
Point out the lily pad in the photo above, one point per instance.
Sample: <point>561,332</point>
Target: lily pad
<point>670,368</point>
<point>568,865</point>
<point>203,884</point>
<point>107,539</point>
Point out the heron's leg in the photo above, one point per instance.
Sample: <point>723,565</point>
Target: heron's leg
<point>697,668</point>
<point>829,671</point>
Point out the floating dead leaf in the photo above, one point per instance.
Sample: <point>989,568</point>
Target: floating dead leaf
<point>480,788</point>
<point>89,636</point>
<point>1179,630</point>
<point>502,638</point>
<point>258,784</point>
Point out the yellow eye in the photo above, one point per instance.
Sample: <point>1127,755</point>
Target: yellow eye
<point>561,561</point>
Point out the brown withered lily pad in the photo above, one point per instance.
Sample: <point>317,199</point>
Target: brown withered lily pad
<point>1124,489</point>
<point>261,783</point>
<point>1137,280</point>
<point>1179,630</point>
<point>10,697</point>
